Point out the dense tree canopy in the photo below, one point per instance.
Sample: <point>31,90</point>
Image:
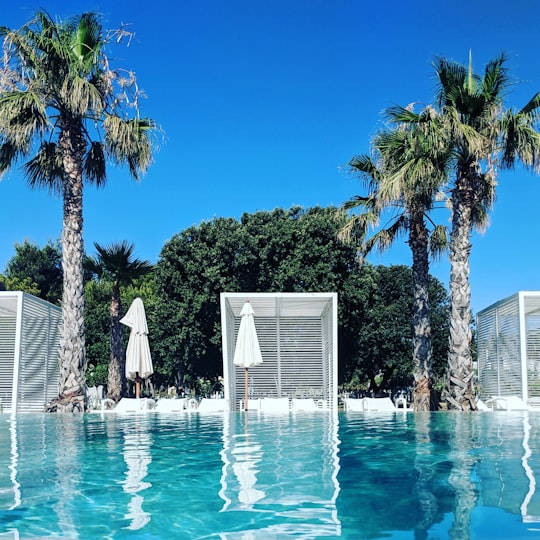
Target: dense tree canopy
<point>289,251</point>
<point>36,270</point>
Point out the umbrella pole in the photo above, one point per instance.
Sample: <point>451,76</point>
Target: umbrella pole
<point>246,393</point>
<point>137,386</point>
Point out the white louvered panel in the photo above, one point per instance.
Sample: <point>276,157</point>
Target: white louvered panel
<point>8,326</point>
<point>38,376</point>
<point>487,353</point>
<point>532,322</point>
<point>508,345</point>
<point>33,368</point>
<point>499,360</point>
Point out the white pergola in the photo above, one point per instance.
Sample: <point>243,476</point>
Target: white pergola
<point>508,342</point>
<point>298,337</point>
<point>29,341</point>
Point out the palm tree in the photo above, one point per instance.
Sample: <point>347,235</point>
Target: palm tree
<point>404,178</point>
<point>63,114</point>
<point>481,135</point>
<point>115,263</point>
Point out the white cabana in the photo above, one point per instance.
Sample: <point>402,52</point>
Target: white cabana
<point>297,335</point>
<point>29,342</point>
<point>508,341</point>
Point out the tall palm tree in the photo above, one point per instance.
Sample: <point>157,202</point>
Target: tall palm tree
<point>115,263</point>
<point>404,178</point>
<point>482,135</point>
<point>63,114</point>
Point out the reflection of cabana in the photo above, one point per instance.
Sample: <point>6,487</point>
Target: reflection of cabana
<point>508,338</point>
<point>29,338</point>
<point>298,338</point>
<point>255,478</point>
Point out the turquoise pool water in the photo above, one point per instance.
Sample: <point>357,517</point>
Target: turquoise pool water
<point>303,476</point>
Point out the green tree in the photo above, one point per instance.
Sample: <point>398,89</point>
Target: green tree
<point>63,114</point>
<point>97,321</point>
<point>40,266</point>
<point>376,330</point>
<point>284,250</point>
<point>115,263</point>
<point>404,178</point>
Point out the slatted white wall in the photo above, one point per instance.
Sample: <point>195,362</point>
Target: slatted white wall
<point>532,323</point>
<point>8,325</point>
<point>499,364</point>
<point>37,360</point>
<point>500,349</point>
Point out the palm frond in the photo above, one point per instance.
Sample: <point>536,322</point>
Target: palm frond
<point>398,115</point>
<point>439,241</point>
<point>520,140</point>
<point>22,116</point>
<point>94,165</point>
<point>45,169</point>
<point>117,260</point>
<point>532,106</point>
<point>81,97</point>
<point>129,141</point>
<point>384,238</point>
<point>86,41</point>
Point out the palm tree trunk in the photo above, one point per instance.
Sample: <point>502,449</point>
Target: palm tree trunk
<point>459,394</point>
<point>116,376</point>
<point>421,317</point>
<point>72,387</point>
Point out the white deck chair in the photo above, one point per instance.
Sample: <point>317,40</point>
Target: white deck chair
<point>254,404</point>
<point>213,405</point>
<point>275,405</point>
<point>304,404</point>
<point>507,403</point>
<point>354,404</point>
<point>131,405</point>
<point>171,405</point>
<point>379,404</point>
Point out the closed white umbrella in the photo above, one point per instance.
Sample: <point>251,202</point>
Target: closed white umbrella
<point>247,352</point>
<point>138,357</point>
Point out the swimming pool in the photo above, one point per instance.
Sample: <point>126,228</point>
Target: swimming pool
<point>240,477</point>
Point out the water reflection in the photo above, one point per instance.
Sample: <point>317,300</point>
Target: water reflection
<point>137,456</point>
<point>283,469</point>
<point>525,513</point>
<point>414,475</point>
<point>14,459</point>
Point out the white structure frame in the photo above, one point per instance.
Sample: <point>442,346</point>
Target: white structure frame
<point>29,343</point>
<point>508,342</point>
<point>298,337</point>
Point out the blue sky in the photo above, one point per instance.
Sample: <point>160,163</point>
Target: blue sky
<point>263,103</point>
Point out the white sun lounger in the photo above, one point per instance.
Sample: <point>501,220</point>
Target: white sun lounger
<point>129,405</point>
<point>275,405</point>
<point>507,403</point>
<point>213,405</point>
<point>370,404</point>
<point>171,405</point>
<point>304,404</point>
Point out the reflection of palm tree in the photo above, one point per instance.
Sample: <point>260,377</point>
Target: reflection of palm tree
<point>423,489</point>
<point>460,477</point>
